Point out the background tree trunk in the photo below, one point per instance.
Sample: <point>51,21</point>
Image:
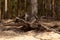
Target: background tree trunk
<point>34,6</point>
<point>53,7</point>
<point>34,9</point>
<point>0,9</point>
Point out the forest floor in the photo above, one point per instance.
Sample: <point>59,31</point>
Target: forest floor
<point>10,35</point>
<point>31,35</point>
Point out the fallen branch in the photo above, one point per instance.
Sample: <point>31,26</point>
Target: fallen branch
<point>51,29</point>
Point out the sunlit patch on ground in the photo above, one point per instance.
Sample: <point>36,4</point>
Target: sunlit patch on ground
<point>31,35</point>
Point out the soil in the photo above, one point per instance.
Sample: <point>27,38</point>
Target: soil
<point>31,35</point>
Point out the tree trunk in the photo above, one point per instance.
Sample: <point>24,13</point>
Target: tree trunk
<point>6,9</point>
<point>53,10</point>
<point>34,9</point>
<point>34,5</point>
<point>0,9</point>
<point>5,5</point>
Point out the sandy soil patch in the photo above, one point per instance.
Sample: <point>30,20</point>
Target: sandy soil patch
<point>9,35</point>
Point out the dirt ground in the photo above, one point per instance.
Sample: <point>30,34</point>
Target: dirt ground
<point>10,35</point>
<point>31,35</point>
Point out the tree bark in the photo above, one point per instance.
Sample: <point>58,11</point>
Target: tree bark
<point>5,5</point>
<point>0,9</point>
<point>53,8</point>
<point>34,5</point>
<point>34,9</point>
